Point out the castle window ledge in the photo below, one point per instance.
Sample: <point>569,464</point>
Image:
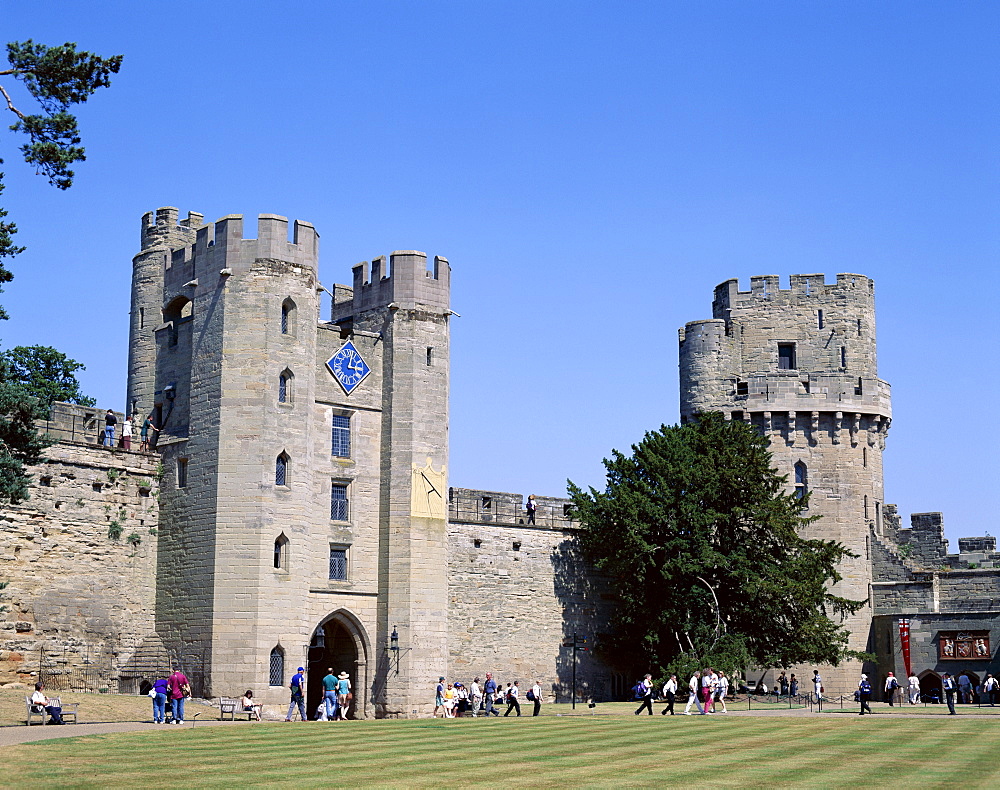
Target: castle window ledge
<point>170,441</point>
<point>344,463</point>
<point>286,406</point>
<point>331,590</point>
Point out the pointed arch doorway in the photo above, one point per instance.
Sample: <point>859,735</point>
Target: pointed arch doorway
<point>340,643</point>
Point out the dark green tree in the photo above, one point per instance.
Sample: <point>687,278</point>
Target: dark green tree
<point>701,544</point>
<point>56,78</point>
<point>45,374</point>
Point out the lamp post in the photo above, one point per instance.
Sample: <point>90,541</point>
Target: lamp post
<point>394,648</point>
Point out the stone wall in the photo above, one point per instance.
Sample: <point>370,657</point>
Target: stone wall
<point>518,593</point>
<point>76,593</point>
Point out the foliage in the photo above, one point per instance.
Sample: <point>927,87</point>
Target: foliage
<point>114,529</point>
<point>45,374</point>
<point>700,541</point>
<point>20,445</point>
<point>134,538</point>
<point>56,78</point>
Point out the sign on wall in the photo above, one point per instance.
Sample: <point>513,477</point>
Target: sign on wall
<point>963,645</point>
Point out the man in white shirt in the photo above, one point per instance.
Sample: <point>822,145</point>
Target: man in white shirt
<point>891,684</point>
<point>536,697</point>
<point>645,688</point>
<point>694,686</point>
<point>817,685</point>
<point>512,703</point>
<point>670,693</point>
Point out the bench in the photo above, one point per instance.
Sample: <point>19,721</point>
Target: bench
<point>68,711</point>
<point>233,707</point>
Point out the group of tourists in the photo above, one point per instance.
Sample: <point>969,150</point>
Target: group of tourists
<point>146,432</point>
<point>456,700</point>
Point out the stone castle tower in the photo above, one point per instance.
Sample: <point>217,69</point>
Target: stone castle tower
<point>800,366</point>
<point>303,503</point>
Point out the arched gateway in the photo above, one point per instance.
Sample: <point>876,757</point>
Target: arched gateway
<point>340,643</point>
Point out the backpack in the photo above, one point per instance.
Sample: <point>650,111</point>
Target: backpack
<point>865,687</point>
<point>639,691</point>
<point>893,685</point>
<point>530,696</point>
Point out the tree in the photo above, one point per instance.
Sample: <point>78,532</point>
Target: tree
<point>56,78</point>
<point>45,374</point>
<point>700,542</point>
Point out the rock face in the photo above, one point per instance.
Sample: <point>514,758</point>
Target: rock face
<point>80,562</point>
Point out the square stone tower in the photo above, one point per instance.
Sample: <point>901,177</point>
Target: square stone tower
<point>303,496</point>
<point>800,366</point>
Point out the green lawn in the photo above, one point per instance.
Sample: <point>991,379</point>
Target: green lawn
<point>599,751</point>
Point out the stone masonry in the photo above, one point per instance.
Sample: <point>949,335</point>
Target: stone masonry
<point>79,558</point>
<point>800,366</point>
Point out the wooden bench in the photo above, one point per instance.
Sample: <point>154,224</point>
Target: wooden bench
<point>68,711</point>
<point>233,707</point>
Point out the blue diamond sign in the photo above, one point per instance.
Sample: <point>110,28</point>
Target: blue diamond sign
<point>348,367</point>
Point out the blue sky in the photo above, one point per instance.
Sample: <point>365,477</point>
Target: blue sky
<point>591,170</point>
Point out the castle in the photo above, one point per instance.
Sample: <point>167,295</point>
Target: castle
<point>298,510</point>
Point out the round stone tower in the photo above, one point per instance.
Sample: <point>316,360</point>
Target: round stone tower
<point>800,366</point>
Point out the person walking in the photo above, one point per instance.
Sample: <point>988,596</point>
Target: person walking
<point>694,686</point>
<point>512,702</point>
<point>891,684</point>
<point>159,694</point>
<point>180,689</point>
<point>783,684</point>
<point>913,686</point>
<point>948,684</point>
<point>964,689</point>
<point>531,507</point>
<point>990,687</point>
<point>670,694</point>
<point>297,686</point>
<point>864,695</point>
<point>330,694</point>
<point>475,696</point>
<point>439,699</point>
<point>817,686</point>
<point>343,695</point>
<point>536,697</point>
<point>644,691</point>
<point>721,689</point>
<point>489,695</point>
<point>793,685</point>
<point>707,689</point>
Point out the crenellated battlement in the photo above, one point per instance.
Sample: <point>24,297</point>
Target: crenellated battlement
<point>162,228</point>
<point>728,295</point>
<point>405,283</point>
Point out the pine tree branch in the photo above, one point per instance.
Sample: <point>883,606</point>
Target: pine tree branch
<point>10,103</point>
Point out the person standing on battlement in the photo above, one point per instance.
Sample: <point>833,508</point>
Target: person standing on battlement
<point>110,421</point>
<point>127,433</point>
<point>531,507</point>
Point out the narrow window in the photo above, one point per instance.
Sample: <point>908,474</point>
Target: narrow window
<point>288,317</point>
<point>742,388</point>
<point>341,436</point>
<point>859,387</point>
<point>182,472</point>
<point>866,507</point>
<point>786,356</point>
<point>859,327</point>
<point>864,457</point>
<point>477,542</point>
<point>45,481</point>
<point>338,502</point>
<point>487,503</point>
<point>801,480</point>
<point>142,318</point>
<point>281,470</point>
<point>276,677</point>
<point>878,515</point>
<point>282,388</point>
<point>517,545</point>
<point>338,564</point>
<point>819,319</point>
<point>843,356</point>
<point>281,553</point>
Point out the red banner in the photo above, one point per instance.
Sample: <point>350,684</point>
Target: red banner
<point>904,641</point>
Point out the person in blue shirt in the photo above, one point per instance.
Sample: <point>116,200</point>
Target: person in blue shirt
<point>330,693</point>
<point>489,692</point>
<point>343,693</point>
<point>297,686</point>
<point>864,695</point>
